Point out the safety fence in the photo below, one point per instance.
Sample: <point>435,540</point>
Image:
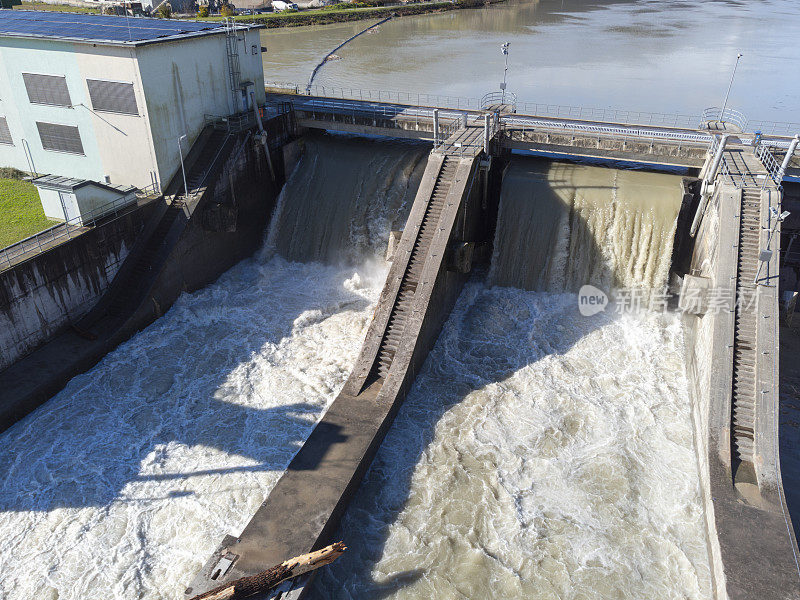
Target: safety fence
<point>72,227</point>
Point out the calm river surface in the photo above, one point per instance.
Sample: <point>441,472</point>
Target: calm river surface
<point>650,55</point>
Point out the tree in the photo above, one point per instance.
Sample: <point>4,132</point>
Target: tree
<point>202,12</point>
<point>164,10</point>
<point>227,10</point>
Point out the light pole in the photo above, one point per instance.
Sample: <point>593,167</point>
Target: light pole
<point>504,48</point>
<point>730,85</point>
<point>766,255</point>
<point>183,169</point>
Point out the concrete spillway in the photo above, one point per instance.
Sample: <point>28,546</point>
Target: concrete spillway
<point>123,484</point>
<point>303,508</point>
<point>541,453</point>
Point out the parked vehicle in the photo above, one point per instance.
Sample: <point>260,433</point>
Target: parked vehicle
<point>280,5</point>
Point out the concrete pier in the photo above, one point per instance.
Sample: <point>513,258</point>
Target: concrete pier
<point>305,506</point>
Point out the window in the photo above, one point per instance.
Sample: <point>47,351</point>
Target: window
<point>47,89</point>
<point>5,133</point>
<point>110,96</point>
<point>61,138</point>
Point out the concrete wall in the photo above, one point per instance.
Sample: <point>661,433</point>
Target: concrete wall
<point>39,297</point>
<point>751,542</point>
<point>187,80</point>
<point>207,248</point>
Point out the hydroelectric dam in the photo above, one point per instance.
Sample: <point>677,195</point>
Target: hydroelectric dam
<point>397,353</point>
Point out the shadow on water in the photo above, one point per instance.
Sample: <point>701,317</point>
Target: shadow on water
<point>180,380</point>
<point>48,463</point>
<point>490,335</point>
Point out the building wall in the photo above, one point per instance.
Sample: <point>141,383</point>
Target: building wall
<point>176,84</point>
<point>186,81</point>
<point>115,146</point>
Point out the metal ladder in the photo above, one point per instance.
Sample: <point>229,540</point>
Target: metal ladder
<point>234,73</point>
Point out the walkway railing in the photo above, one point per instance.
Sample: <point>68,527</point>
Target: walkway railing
<point>557,111</point>
<point>72,227</point>
<point>729,115</point>
<point>522,123</point>
<point>499,98</point>
<point>764,154</point>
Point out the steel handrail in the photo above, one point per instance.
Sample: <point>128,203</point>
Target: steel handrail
<point>764,154</point>
<point>34,244</point>
<point>496,98</point>
<point>729,115</point>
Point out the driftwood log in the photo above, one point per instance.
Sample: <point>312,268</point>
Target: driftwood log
<point>266,580</point>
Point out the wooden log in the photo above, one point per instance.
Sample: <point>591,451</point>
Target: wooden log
<point>266,580</point>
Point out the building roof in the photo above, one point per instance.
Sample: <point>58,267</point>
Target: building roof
<point>68,184</point>
<point>104,29</point>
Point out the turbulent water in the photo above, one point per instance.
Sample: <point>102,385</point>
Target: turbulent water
<point>607,227</point>
<point>540,454</point>
<point>123,484</point>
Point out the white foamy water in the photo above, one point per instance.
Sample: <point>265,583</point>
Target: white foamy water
<point>123,484</point>
<point>542,454</point>
<point>539,454</point>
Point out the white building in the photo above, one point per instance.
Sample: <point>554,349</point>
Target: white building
<point>106,98</point>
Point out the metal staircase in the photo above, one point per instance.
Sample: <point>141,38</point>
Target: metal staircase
<point>129,292</point>
<point>746,321</point>
<point>401,309</point>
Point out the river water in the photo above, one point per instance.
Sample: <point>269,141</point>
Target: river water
<point>541,454</point>
<point>670,56</point>
<point>123,484</point>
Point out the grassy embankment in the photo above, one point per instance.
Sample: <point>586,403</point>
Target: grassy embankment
<point>57,7</point>
<point>335,13</point>
<point>340,13</point>
<point>21,213</point>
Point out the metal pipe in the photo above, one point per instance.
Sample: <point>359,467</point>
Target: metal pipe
<point>263,134</point>
<point>486,118</point>
<point>435,127</point>
<point>712,173</point>
<point>787,159</point>
<point>704,194</point>
<point>183,169</point>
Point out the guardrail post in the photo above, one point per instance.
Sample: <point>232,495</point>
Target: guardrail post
<point>435,127</point>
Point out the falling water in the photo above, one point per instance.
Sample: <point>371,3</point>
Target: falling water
<point>542,454</point>
<point>607,227</point>
<point>123,484</point>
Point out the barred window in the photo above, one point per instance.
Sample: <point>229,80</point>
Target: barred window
<point>111,96</point>
<point>47,89</point>
<point>5,133</point>
<point>61,138</point>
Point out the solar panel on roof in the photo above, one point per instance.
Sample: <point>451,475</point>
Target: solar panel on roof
<point>95,27</point>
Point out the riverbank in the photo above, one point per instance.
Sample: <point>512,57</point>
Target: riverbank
<point>341,13</point>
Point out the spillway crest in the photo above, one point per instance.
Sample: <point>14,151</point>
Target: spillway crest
<point>606,227</point>
<point>542,454</point>
<point>345,197</point>
<point>123,484</point>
